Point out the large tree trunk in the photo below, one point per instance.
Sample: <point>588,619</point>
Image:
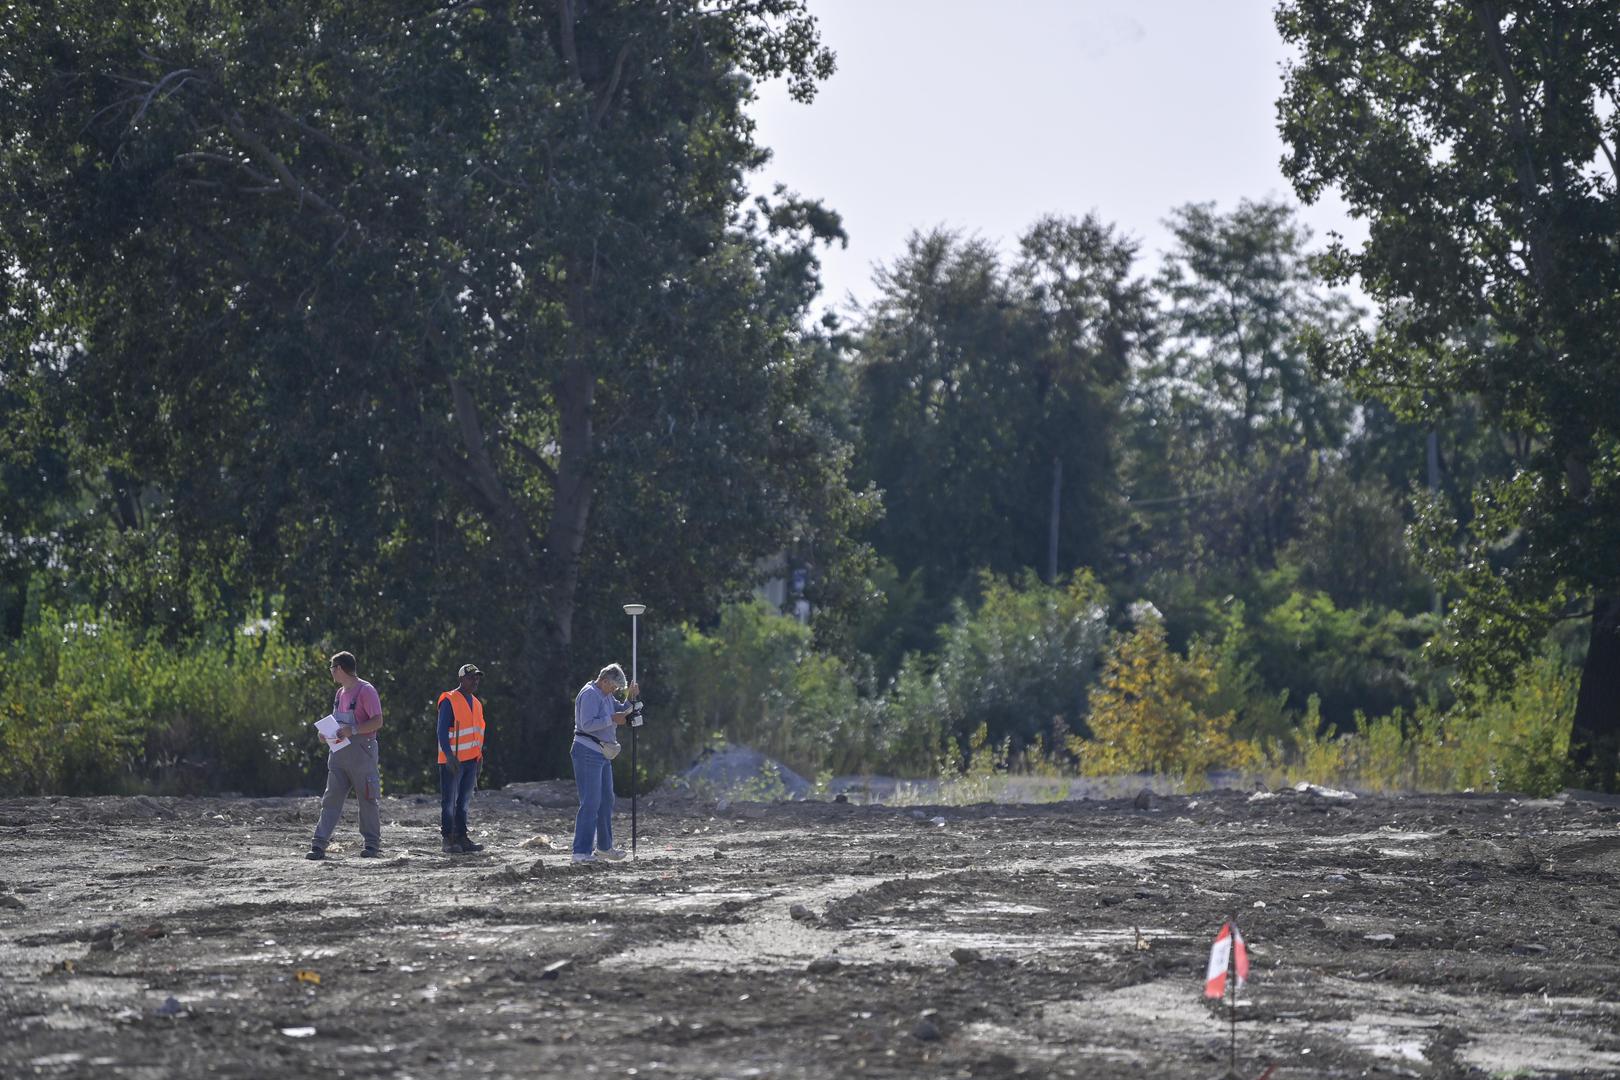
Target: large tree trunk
<point>556,676</point>
<point>1594,743</point>
<point>571,502</point>
<point>543,571</point>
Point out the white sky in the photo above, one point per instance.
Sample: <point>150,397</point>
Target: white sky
<point>982,116</point>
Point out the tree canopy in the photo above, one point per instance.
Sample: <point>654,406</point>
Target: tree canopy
<point>409,313</point>
<point>987,397</point>
<point>1478,139</point>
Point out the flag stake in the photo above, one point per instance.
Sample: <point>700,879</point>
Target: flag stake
<point>1231,1012</point>
<point>1228,970</point>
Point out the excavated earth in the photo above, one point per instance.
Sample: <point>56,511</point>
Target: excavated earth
<point>1407,936</point>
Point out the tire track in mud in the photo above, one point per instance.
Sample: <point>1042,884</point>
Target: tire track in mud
<point>883,917</point>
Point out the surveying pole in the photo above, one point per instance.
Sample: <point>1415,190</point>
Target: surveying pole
<point>634,611</point>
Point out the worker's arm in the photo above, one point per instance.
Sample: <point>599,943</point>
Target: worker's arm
<point>447,718</point>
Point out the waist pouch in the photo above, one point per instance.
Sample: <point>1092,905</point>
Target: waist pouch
<point>610,750</point>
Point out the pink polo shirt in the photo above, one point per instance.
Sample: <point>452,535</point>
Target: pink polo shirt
<point>362,699</point>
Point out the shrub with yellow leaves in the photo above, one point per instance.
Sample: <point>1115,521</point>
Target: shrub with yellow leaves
<point>1149,712</point>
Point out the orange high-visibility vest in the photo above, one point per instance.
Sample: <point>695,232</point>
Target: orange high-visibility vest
<point>466,727</point>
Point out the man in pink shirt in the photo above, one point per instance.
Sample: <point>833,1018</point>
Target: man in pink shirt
<point>358,712</point>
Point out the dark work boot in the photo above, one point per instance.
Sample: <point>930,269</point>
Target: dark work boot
<point>452,847</point>
<point>467,844</point>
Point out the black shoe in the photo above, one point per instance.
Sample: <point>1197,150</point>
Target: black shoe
<point>452,847</point>
<point>314,854</point>
<point>371,853</point>
<point>468,846</point>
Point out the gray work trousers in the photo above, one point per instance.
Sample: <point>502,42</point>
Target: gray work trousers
<point>352,768</point>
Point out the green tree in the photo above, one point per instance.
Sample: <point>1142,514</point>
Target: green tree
<point>1240,290</point>
<point>439,320</point>
<point>1478,139</point>
<point>986,397</point>
<point>1229,430</point>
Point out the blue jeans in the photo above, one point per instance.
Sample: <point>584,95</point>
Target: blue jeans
<point>593,775</point>
<point>455,792</point>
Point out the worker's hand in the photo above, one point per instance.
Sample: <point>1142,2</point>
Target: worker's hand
<point>633,691</point>
<point>619,718</point>
<point>455,768</point>
<point>344,731</point>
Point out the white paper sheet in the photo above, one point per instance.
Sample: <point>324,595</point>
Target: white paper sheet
<point>327,726</point>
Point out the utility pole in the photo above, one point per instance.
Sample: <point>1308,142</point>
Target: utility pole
<point>1052,524</point>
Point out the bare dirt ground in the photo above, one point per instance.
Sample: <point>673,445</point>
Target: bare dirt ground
<point>1417,936</point>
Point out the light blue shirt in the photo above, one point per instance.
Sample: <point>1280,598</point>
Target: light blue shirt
<point>593,715</point>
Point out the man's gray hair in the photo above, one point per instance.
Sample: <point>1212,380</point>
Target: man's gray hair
<point>613,672</point>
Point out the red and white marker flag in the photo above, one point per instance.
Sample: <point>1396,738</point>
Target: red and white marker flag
<point>1222,957</point>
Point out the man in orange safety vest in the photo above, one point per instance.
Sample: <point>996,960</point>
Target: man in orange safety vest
<point>461,752</point>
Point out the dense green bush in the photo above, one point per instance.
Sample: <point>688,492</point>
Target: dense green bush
<point>1514,741</point>
<point>1527,729</point>
<point>757,680</point>
<point>91,706</point>
<point>1019,662</point>
<point>911,719</point>
<point>1367,659</point>
<point>1258,711</point>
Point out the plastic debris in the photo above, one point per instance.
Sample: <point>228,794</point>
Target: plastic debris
<point>305,975</point>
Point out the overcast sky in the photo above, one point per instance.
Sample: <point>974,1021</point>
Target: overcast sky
<point>983,116</point>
